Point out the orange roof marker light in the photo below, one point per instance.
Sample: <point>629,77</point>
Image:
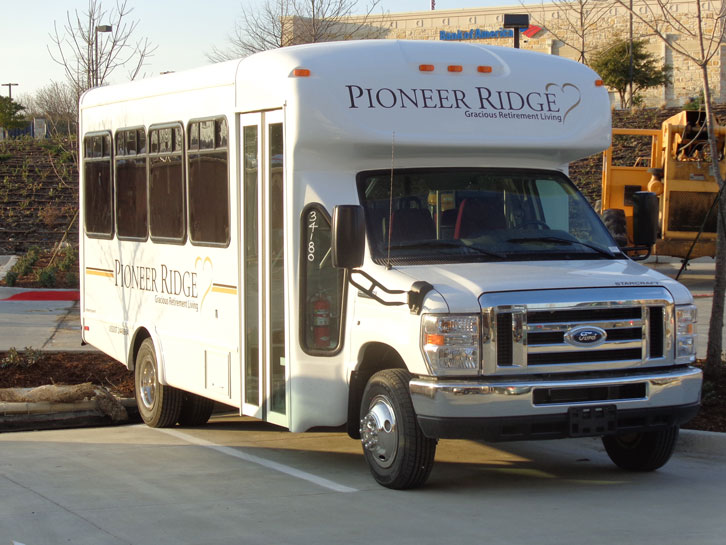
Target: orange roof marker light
<point>455,68</point>
<point>599,83</point>
<point>426,67</point>
<point>484,69</point>
<point>301,73</point>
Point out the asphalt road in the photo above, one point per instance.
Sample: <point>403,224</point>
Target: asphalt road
<point>238,481</point>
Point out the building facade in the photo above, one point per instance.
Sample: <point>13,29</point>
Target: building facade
<point>576,29</point>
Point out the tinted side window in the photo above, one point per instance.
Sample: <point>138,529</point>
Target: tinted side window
<point>322,286</point>
<point>166,184</point>
<point>97,206</point>
<point>208,182</point>
<point>131,209</point>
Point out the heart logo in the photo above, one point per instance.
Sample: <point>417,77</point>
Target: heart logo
<point>205,273</point>
<point>567,93</point>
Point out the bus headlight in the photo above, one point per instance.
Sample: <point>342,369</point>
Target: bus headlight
<point>450,343</point>
<point>686,332</point>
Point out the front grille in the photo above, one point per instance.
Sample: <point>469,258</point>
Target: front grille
<point>568,330</point>
<point>504,339</point>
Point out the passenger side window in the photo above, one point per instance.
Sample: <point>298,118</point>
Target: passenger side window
<point>166,184</point>
<point>131,204</point>
<point>322,286</point>
<point>97,188</point>
<point>208,182</point>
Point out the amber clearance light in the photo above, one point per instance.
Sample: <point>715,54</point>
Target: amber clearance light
<point>301,73</point>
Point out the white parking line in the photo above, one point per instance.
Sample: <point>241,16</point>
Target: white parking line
<point>237,453</point>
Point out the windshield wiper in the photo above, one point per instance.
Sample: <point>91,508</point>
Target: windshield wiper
<point>599,250</point>
<point>446,244</point>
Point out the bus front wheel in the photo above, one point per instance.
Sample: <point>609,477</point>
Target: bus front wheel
<point>398,454</point>
<point>159,405</point>
<point>643,451</point>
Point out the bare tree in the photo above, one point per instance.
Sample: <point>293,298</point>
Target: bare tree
<point>58,104</point>
<point>280,23</point>
<point>576,21</point>
<point>90,53</point>
<point>705,34</point>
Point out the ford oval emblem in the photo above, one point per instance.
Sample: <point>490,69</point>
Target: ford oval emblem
<point>586,336</point>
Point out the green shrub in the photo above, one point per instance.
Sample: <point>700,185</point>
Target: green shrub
<point>12,359</point>
<point>11,278</point>
<point>72,280</point>
<point>47,277</point>
<point>68,259</point>
<point>30,356</point>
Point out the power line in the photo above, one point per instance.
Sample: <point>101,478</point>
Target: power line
<point>10,88</point>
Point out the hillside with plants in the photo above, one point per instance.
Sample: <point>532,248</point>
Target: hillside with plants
<point>38,194</point>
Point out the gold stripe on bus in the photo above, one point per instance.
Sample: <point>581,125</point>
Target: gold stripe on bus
<point>221,288</point>
<point>99,272</point>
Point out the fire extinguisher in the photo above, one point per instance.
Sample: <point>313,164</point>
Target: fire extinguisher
<point>321,320</point>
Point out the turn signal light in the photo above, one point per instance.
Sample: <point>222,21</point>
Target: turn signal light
<point>437,340</point>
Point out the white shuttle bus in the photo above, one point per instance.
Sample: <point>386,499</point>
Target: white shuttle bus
<point>379,235</point>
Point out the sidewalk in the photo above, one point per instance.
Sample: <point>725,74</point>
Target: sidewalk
<point>40,319</point>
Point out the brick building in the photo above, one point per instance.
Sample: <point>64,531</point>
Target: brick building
<point>556,29</point>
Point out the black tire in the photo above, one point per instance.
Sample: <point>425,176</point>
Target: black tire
<point>159,405</point>
<point>614,220</point>
<point>195,410</point>
<point>397,452</point>
<point>645,451</point>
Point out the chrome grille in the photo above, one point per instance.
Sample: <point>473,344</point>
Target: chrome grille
<point>528,331</point>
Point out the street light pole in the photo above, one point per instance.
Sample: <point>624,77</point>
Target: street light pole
<point>99,28</point>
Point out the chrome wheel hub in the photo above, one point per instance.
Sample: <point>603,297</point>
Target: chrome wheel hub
<point>148,383</point>
<point>379,433</point>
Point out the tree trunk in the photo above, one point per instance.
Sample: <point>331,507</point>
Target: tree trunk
<point>715,327</point>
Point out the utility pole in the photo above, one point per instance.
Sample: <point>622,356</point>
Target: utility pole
<point>10,88</point>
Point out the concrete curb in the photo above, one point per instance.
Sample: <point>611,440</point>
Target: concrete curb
<point>699,443</point>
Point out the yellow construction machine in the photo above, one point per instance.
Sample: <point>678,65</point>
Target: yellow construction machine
<point>679,171</point>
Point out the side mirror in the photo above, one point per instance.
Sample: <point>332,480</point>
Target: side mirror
<point>645,218</point>
<point>348,238</point>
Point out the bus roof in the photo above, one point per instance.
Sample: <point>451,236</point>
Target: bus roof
<point>482,100</point>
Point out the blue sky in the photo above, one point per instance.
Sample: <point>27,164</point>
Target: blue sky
<point>182,31</point>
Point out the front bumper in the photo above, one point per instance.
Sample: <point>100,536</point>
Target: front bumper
<point>540,407</point>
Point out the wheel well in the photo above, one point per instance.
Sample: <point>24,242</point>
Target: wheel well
<point>376,357</point>
<point>139,337</point>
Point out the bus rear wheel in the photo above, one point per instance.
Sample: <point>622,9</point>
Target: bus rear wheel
<point>397,452</point>
<point>159,405</point>
<point>195,410</point>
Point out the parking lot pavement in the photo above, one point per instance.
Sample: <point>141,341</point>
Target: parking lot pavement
<point>136,485</point>
<point>46,325</point>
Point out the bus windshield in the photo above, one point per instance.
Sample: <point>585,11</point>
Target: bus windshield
<point>416,216</point>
